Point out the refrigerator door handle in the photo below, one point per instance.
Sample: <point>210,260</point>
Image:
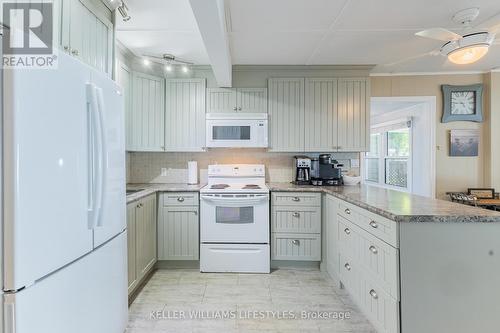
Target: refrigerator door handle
<point>95,181</point>
<point>103,153</point>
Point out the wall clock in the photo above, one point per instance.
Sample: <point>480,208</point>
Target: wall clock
<point>462,103</point>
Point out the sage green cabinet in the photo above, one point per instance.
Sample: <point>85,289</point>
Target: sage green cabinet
<point>141,237</point>
<point>319,114</point>
<point>185,115</point>
<point>353,114</point>
<point>178,226</point>
<point>330,223</point>
<point>286,114</point>
<point>87,33</point>
<point>147,117</point>
<point>251,100</point>
<point>124,80</point>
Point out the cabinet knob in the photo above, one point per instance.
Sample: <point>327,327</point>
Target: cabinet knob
<point>180,199</point>
<point>296,214</point>
<point>373,294</point>
<point>235,108</point>
<point>296,242</point>
<point>347,266</point>
<point>373,224</point>
<point>74,52</point>
<point>295,199</point>
<point>373,249</point>
<point>66,48</point>
<point>347,211</point>
<point>347,231</point>
<point>239,109</point>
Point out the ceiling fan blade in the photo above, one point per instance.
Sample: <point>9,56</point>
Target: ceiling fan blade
<point>492,24</point>
<point>153,56</point>
<point>439,34</point>
<point>418,56</point>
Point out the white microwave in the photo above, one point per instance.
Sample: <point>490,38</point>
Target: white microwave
<point>241,130</point>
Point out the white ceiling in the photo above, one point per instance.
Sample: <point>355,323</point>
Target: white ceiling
<point>311,32</point>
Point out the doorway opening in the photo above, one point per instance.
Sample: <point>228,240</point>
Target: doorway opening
<point>402,152</point>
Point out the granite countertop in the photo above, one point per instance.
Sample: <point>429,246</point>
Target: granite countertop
<point>396,205</point>
<point>147,189</point>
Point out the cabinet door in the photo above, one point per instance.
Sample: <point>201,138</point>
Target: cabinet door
<point>252,100</point>
<point>286,114</point>
<point>178,233</point>
<point>332,252</point>
<point>185,115</point>
<point>91,35</point>
<point>321,115</point>
<point>354,114</point>
<point>124,79</point>
<point>221,100</point>
<point>146,235</point>
<point>147,116</point>
<point>131,246</point>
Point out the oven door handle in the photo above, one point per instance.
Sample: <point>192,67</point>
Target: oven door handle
<point>235,202</point>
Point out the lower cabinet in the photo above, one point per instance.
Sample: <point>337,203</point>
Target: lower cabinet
<point>178,226</point>
<point>296,226</point>
<point>141,239</point>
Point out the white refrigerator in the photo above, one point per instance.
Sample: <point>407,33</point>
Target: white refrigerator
<point>64,215</point>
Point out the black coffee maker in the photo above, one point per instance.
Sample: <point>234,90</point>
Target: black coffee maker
<point>330,171</point>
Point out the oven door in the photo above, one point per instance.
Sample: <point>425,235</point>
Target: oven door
<point>245,133</point>
<point>234,218</point>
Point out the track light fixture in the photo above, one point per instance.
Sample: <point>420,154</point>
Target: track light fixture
<point>123,10</point>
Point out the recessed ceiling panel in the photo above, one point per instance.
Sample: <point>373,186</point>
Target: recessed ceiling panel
<point>283,15</point>
<point>285,48</point>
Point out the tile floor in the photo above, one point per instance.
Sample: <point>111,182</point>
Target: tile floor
<point>246,302</point>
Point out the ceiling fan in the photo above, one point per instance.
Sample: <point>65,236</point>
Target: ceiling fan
<point>466,48</point>
<point>169,60</point>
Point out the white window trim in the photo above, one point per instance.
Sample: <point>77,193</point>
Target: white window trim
<point>383,127</point>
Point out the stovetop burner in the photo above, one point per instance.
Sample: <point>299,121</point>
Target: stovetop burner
<point>251,187</point>
<point>219,186</point>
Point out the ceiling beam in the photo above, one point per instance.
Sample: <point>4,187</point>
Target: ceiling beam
<point>210,16</point>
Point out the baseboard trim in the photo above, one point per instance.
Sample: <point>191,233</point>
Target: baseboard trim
<point>173,264</point>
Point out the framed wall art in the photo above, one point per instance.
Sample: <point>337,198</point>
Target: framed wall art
<point>464,143</point>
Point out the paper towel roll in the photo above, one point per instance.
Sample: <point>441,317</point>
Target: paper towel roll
<point>192,172</point>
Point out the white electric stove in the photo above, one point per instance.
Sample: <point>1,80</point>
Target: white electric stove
<point>234,220</point>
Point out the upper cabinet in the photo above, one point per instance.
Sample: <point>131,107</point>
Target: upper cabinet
<point>87,33</point>
<point>185,115</point>
<point>286,114</point>
<point>319,114</point>
<point>353,114</point>
<point>146,120</point>
<point>124,80</point>
<point>252,100</point>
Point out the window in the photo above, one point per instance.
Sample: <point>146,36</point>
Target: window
<point>388,161</point>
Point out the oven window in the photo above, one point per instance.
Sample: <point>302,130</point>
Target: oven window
<point>234,215</point>
<point>231,132</point>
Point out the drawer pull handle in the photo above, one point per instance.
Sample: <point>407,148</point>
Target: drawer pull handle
<point>373,249</point>
<point>373,294</point>
<point>347,231</point>
<point>296,242</point>
<point>296,199</point>
<point>180,199</point>
<point>347,266</point>
<point>347,211</point>
<point>373,224</point>
<point>296,214</point>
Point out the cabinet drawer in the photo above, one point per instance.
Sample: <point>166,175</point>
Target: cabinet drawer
<point>296,199</point>
<point>296,247</point>
<point>180,199</point>
<point>377,225</point>
<point>378,259</point>
<point>296,219</point>
<point>379,307</point>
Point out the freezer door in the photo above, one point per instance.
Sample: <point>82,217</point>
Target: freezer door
<point>89,295</point>
<point>45,170</point>
<point>112,209</point>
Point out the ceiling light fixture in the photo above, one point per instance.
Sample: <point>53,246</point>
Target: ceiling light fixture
<point>123,10</point>
<point>168,67</point>
<point>185,68</point>
<point>468,49</point>
<point>146,62</point>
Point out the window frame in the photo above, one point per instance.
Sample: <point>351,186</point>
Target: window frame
<point>383,155</point>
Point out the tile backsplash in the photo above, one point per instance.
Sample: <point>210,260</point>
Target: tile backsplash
<point>147,167</point>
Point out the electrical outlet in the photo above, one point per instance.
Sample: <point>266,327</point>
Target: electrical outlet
<point>163,172</point>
